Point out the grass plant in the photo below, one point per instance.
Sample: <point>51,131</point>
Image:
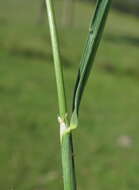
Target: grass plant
<point>29,142</point>
<point>66,126</point>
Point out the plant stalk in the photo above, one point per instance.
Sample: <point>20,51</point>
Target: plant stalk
<point>69,178</point>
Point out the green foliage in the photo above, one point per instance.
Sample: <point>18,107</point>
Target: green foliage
<point>95,33</point>
<point>109,111</point>
<point>94,37</point>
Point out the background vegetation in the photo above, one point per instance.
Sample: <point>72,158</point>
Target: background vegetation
<point>106,142</point>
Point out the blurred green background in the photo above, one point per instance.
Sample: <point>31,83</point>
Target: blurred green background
<point>107,140</point>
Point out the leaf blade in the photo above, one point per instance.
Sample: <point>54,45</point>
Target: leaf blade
<point>95,33</point>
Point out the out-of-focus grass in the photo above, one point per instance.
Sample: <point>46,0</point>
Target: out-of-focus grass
<point>29,134</point>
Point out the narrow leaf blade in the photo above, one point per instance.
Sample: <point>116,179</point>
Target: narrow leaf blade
<point>94,37</point>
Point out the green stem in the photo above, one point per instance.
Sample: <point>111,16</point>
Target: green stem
<point>57,61</point>
<point>66,139</point>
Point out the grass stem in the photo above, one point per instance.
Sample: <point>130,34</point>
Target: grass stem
<point>66,138</point>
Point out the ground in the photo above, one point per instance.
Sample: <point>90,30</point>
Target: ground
<point>106,141</point>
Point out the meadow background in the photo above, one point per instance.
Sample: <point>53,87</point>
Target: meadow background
<point>107,140</point>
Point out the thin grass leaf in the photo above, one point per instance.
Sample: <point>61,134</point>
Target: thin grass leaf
<point>94,37</point>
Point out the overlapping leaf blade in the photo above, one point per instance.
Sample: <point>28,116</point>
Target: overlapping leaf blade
<point>94,37</point>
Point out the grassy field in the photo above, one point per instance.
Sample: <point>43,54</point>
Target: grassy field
<point>107,140</point>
